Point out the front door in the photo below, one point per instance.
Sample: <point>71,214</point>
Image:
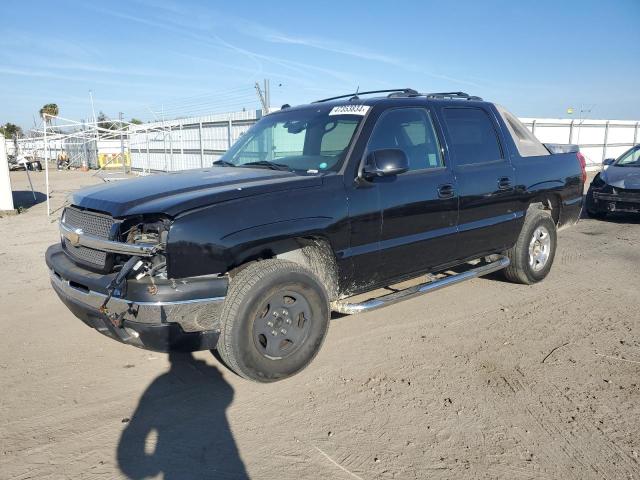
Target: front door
<point>419,208</point>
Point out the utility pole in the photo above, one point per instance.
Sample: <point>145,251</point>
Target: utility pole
<point>124,163</point>
<point>263,97</point>
<point>85,162</point>
<point>85,150</point>
<point>46,163</point>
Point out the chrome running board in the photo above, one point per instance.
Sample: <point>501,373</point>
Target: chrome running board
<point>343,306</point>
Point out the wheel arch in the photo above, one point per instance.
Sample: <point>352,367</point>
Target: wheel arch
<point>316,253</point>
<point>550,202</point>
<point>311,251</point>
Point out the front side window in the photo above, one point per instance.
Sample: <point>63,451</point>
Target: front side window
<point>629,159</point>
<point>410,130</point>
<point>305,140</point>
<point>473,137</point>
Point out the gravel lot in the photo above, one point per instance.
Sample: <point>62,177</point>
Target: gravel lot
<point>482,380</point>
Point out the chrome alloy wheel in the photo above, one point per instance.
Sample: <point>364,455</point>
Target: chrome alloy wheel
<point>539,248</point>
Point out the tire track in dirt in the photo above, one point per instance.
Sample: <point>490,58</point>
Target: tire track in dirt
<point>548,410</point>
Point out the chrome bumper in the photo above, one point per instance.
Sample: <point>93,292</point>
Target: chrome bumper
<point>78,238</point>
<point>165,315</point>
<point>116,305</point>
<point>158,326</point>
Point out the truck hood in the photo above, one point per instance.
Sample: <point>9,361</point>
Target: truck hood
<point>622,177</point>
<point>174,193</point>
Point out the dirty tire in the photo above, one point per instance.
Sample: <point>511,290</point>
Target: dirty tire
<point>590,206</point>
<point>280,292</point>
<point>521,270</point>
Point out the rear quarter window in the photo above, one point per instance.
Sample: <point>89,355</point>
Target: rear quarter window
<point>526,143</point>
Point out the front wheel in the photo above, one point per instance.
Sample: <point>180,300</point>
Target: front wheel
<point>273,321</point>
<point>532,255</point>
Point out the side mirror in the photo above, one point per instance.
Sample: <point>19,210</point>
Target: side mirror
<point>386,163</point>
<point>608,161</point>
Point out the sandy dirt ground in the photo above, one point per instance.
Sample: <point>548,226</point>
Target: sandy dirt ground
<point>482,380</point>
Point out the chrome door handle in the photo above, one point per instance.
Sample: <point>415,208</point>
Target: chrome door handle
<point>504,183</point>
<point>446,191</point>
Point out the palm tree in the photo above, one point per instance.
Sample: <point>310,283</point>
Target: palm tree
<point>50,109</point>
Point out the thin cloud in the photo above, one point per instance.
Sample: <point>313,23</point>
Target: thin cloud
<point>176,21</point>
<point>214,41</point>
<point>321,44</point>
<point>267,34</point>
<point>33,73</point>
<point>16,40</point>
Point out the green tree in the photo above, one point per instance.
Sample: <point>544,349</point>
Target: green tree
<point>136,121</point>
<point>105,122</point>
<point>11,130</point>
<point>50,109</point>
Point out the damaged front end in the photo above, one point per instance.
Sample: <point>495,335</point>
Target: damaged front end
<point>611,200</point>
<point>112,274</point>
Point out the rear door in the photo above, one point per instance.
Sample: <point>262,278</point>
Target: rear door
<point>488,215</point>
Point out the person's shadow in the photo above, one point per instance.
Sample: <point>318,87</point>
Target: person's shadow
<point>179,428</point>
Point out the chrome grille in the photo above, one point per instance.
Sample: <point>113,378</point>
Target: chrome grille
<point>86,255</point>
<point>90,222</point>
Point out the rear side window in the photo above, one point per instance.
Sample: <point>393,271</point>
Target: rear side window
<point>473,137</point>
<point>411,130</point>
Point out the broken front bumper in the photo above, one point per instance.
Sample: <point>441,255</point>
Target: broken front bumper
<point>620,201</point>
<point>169,315</point>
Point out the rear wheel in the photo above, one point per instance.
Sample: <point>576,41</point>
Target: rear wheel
<point>274,320</point>
<point>532,255</point>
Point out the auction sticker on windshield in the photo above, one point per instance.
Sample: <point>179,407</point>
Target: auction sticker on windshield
<point>350,110</point>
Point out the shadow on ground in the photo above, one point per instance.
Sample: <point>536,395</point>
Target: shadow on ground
<point>180,429</point>
<point>630,218</point>
<point>25,198</point>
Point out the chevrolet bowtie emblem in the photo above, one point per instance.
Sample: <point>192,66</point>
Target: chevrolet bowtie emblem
<point>74,237</point>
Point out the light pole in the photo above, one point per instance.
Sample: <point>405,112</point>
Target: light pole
<point>85,162</point>
<point>124,163</point>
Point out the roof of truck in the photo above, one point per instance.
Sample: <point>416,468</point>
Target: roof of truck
<point>374,97</point>
<point>526,143</point>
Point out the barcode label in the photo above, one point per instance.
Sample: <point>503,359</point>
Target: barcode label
<point>350,110</point>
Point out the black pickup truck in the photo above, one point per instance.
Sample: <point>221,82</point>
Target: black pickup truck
<point>313,205</point>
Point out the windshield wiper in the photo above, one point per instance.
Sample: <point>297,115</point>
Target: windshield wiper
<point>223,163</point>
<point>268,164</point>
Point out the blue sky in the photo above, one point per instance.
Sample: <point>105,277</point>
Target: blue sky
<point>195,57</point>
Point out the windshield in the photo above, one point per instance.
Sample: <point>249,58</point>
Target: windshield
<point>304,140</point>
<point>629,159</point>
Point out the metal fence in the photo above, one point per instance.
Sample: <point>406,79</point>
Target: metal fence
<point>196,142</point>
<point>598,139</point>
<point>187,143</point>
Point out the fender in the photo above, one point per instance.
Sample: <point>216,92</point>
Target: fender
<point>223,236</point>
